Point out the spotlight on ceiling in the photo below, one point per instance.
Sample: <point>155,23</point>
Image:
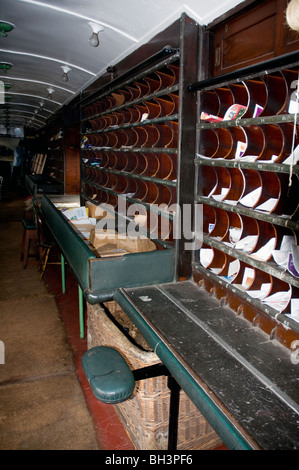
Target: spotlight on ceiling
<point>5,28</point>
<point>65,69</point>
<point>96,29</point>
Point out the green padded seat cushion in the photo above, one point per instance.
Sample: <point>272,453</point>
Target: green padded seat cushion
<point>29,224</point>
<point>108,374</point>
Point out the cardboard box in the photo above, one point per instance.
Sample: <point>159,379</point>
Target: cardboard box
<point>136,244</point>
<point>110,250</point>
<point>97,211</point>
<point>99,238</point>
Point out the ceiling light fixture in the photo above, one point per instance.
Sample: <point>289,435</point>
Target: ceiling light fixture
<point>5,28</point>
<point>111,69</point>
<point>65,69</point>
<point>96,29</point>
<point>50,93</point>
<point>5,66</point>
<point>3,129</point>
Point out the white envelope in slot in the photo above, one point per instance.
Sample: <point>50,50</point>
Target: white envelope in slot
<point>206,256</point>
<point>287,242</point>
<point>249,158</point>
<point>293,106</point>
<point>247,244</point>
<point>248,277</point>
<point>267,206</point>
<point>264,253</point>
<point>295,307</point>
<point>231,202</point>
<point>279,301</point>
<point>233,269</point>
<point>261,293</point>
<point>235,234</point>
<point>251,198</point>
<point>293,157</point>
<point>223,193</point>
<point>216,270</point>
<point>281,256</point>
<point>273,158</point>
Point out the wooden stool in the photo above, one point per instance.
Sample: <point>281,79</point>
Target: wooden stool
<point>112,381</point>
<point>30,233</point>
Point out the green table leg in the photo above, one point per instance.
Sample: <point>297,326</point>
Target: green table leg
<point>81,312</point>
<point>62,273</point>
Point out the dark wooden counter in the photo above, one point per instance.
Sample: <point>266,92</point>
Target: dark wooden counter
<point>99,277</point>
<point>245,384</point>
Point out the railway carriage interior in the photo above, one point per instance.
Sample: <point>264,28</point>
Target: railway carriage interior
<point>149,209</point>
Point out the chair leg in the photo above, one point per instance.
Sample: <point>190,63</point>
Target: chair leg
<point>41,254</point>
<point>44,262</point>
<point>26,242</point>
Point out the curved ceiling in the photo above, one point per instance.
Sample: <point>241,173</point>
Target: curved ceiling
<point>48,35</point>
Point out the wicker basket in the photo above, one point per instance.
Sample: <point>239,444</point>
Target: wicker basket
<point>146,414</point>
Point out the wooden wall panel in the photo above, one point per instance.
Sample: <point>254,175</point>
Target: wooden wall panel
<point>256,34</point>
